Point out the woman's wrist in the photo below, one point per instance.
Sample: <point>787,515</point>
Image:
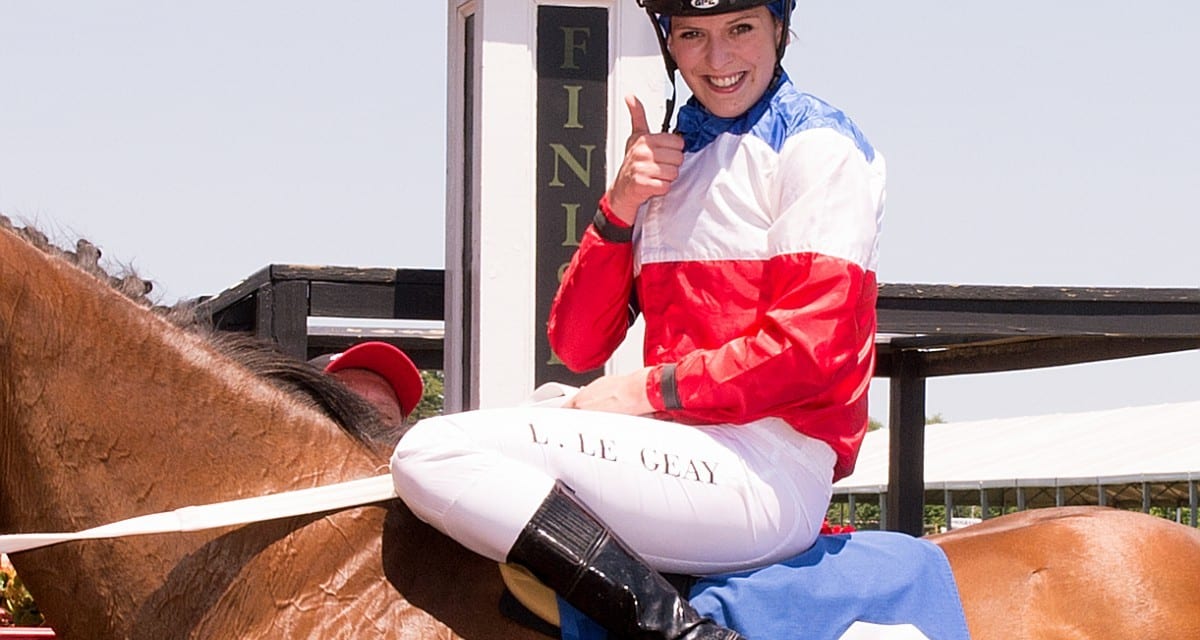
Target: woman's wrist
<point>617,210</point>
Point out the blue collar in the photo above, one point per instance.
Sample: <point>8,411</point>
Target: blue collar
<point>699,126</point>
<point>781,112</point>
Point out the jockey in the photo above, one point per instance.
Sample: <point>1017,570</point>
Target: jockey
<point>747,239</point>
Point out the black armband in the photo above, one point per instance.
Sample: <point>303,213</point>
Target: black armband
<point>610,231</point>
<point>669,388</point>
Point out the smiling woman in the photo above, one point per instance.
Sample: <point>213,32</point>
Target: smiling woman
<point>747,241</point>
<point>728,60</point>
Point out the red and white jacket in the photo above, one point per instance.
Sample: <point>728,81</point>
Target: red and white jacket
<point>755,274</point>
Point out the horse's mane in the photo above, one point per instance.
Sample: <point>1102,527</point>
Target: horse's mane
<point>304,381</point>
<point>85,257</point>
<point>301,380</point>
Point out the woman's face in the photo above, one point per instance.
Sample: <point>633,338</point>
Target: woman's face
<point>727,60</point>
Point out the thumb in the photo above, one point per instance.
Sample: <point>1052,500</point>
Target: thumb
<point>637,115</point>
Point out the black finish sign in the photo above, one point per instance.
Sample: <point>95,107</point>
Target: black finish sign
<point>572,122</point>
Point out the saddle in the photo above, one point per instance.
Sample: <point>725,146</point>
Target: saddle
<point>865,585</point>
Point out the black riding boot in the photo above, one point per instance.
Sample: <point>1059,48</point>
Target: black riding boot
<point>567,547</point>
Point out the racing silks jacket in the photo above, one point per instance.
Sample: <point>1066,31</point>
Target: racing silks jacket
<point>755,274</point>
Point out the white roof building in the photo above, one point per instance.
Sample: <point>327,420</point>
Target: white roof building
<point>1135,457</point>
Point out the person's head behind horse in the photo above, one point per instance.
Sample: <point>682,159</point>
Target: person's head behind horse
<point>379,372</point>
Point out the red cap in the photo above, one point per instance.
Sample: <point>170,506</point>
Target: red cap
<point>387,361</point>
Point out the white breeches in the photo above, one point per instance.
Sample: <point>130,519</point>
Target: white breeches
<point>695,500</point>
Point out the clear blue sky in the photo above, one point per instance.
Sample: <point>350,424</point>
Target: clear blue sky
<point>1027,143</point>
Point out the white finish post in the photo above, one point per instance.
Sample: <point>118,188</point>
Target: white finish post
<point>517,166</point>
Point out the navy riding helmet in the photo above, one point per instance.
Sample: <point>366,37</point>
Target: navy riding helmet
<point>711,7</point>
<point>660,12</point>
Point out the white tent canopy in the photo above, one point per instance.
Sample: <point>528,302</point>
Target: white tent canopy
<point>1139,455</point>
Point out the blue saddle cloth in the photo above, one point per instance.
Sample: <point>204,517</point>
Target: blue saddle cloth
<point>842,584</point>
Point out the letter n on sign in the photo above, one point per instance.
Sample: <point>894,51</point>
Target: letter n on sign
<point>572,121</point>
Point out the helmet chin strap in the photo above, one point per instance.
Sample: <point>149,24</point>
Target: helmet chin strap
<point>669,60</point>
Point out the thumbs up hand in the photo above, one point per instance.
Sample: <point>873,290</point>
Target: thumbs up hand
<point>651,164</point>
<point>637,117</point>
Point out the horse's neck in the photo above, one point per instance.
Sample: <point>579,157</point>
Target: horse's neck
<point>107,412</point>
<point>114,401</point>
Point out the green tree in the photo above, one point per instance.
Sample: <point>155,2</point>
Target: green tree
<point>16,605</point>
<point>433,400</point>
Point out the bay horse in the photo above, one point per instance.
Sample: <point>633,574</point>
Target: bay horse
<point>109,410</point>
